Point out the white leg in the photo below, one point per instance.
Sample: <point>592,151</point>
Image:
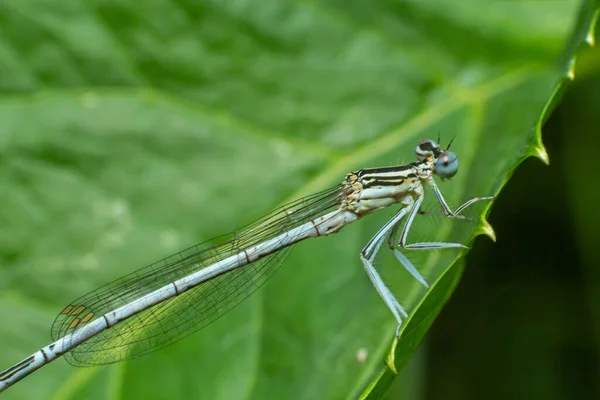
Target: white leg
<point>446,208</point>
<point>422,245</point>
<point>406,263</point>
<point>441,213</point>
<point>447,211</point>
<point>367,255</point>
<point>373,245</point>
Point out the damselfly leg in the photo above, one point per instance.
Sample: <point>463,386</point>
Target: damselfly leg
<point>457,214</point>
<point>390,229</point>
<point>367,255</point>
<point>446,209</point>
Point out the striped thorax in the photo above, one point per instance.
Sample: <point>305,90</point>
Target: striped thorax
<point>377,188</point>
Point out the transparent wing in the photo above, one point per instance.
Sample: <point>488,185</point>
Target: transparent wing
<point>173,319</point>
<point>177,317</point>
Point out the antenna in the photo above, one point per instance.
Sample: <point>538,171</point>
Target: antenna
<point>452,140</point>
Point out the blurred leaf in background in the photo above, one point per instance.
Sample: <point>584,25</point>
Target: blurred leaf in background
<point>132,130</point>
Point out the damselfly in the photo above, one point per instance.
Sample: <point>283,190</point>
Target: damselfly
<point>165,301</point>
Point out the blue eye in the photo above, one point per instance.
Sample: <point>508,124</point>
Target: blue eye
<point>446,165</point>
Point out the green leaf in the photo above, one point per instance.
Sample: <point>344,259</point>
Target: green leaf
<point>131,130</point>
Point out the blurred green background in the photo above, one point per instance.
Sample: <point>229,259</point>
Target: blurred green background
<point>129,131</point>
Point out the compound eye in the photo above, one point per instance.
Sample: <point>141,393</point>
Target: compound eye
<point>446,165</point>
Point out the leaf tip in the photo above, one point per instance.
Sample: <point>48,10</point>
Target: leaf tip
<point>390,360</point>
<point>487,230</point>
<point>590,35</point>
<point>590,39</point>
<point>571,70</point>
<point>541,153</point>
<point>537,148</point>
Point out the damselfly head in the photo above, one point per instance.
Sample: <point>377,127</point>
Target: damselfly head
<point>445,162</point>
<point>427,149</point>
